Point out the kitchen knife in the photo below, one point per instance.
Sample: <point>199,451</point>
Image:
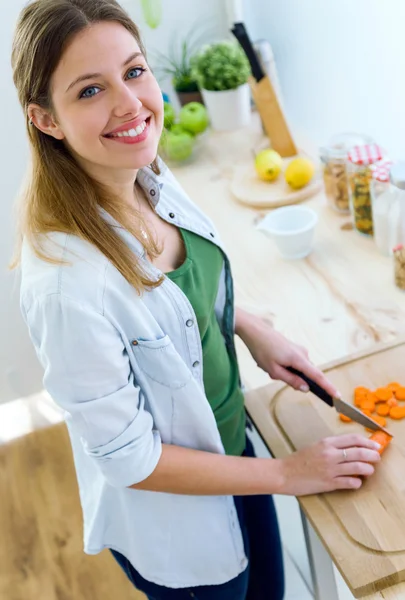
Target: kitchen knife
<point>340,405</point>
<point>239,31</point>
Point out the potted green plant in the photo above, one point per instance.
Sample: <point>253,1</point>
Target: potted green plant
<point>176,64</point>
<point>222,71</point>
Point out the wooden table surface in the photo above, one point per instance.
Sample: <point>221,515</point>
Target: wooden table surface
<point>339,300</point>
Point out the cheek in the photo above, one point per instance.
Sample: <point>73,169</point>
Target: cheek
<point>84,124</point>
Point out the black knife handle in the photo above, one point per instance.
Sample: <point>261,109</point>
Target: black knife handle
<point>314,387</point>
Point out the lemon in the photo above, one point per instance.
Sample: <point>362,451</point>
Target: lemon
<point>299,173</point>
<point>268,164</point>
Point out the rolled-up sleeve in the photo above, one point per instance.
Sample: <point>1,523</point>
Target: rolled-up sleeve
<point>88,374</point>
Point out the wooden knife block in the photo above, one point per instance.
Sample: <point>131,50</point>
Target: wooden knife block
<point>272,116</point>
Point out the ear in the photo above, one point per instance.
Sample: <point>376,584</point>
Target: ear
<point>43,120</point>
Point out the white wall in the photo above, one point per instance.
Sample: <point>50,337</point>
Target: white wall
<point>20,373</point>
<point>341,64</point>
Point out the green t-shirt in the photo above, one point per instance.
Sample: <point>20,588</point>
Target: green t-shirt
<point>198,277</point>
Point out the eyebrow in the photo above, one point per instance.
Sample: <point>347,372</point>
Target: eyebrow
<point>94,75</point>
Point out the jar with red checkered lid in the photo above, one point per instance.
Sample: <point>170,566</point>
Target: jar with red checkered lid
<point>361,159</point>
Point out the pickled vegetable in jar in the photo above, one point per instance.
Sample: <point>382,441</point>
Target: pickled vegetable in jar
<point>361,159</point>
<point>335,173</point>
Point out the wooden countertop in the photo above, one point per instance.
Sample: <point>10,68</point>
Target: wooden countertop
<point>339,300</point>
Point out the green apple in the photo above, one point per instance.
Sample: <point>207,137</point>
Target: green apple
<point>178,144</point>
<point>169,115</point>
<point>193,117</point>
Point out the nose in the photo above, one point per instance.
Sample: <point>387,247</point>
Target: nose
<point>125,101</point>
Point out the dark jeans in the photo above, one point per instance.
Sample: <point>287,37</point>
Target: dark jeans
<point>264,577</point>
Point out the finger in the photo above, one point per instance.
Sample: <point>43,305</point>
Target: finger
<point>353,439</point>
<point>348,483</point>
<point>360,455</point>
<point>316,374</point>
<point>294,381</point>
<point>356,468</point>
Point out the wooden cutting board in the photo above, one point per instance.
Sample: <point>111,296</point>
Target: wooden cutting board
<point>248,189</point>
<point>365,532</point>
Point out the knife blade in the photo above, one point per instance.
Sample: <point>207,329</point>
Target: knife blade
<point>340,405</point>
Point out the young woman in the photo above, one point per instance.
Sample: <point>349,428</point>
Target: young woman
<point>127,294</point>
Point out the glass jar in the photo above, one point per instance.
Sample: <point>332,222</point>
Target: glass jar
<point>334,160</point>
<point>361,159</point>
<point>385,202</point>
<point>397,178</point>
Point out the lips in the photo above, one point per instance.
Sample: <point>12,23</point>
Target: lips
<point>133,128</point>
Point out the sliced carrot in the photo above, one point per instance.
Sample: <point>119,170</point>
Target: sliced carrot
<point>392,402</point>
<point>380,420</point>
<point>367,404</point>
<point>381,438</point>
<point>393,386</point>
<point>400,393</point>
<point>360,389</point>
<point>372,397</point>
<point>383,409</point>
<point>366,412</point>
<point>397,412</point>
<point>383,394</point>
<point>345,419</point>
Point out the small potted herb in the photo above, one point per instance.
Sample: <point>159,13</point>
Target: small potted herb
<point>176,64</point>
<point>222,71</point>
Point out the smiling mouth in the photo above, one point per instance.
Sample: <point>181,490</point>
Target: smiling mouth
<point>134,132</point>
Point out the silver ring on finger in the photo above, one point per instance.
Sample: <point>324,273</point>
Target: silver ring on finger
<point>344,454</point>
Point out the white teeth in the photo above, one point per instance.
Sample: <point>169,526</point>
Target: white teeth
<point>134,132</point>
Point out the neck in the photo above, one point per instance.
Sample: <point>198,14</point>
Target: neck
<point>120,181</point>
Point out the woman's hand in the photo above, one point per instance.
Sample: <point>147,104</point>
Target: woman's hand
<point>273,353</point>
<point>335,463</point>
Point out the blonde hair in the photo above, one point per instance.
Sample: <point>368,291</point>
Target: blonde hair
<point>60,195</point>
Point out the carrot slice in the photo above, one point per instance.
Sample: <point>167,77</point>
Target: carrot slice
<point>372,397</point>
<point>383,409</point>
<point>381,438</point>
<point>367,404</point>
<point>383,394</point>
<point>400,393</point>
<point>393,386</point>
<point>397,412</point>
<point>345,419</point>
<point>360,389</point>
<point>392,402</point>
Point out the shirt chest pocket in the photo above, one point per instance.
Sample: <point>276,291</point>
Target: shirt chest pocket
<point>161,362</point>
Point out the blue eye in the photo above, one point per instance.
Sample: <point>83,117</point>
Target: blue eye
<point>89,92</point>
<point>138,72</point>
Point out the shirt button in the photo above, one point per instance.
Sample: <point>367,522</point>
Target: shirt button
<point>171,215</point>
<point>211,234</point>
<point>190,323</point>
<point>134,343</point>
<point>196,363</point>
<point>152,192</point>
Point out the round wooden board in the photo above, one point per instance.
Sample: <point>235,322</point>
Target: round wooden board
<point>250,190</point>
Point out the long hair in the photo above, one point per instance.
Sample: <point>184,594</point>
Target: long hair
<point>59,195</point>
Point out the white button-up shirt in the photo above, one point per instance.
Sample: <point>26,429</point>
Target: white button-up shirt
<point>127,370</point>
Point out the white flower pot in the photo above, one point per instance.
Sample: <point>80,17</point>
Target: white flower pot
<point>230,109</point>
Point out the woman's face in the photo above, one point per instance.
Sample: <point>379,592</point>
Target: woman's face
<point>107,103</point>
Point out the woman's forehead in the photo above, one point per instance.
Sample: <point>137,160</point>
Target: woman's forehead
<point>98,48</point>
